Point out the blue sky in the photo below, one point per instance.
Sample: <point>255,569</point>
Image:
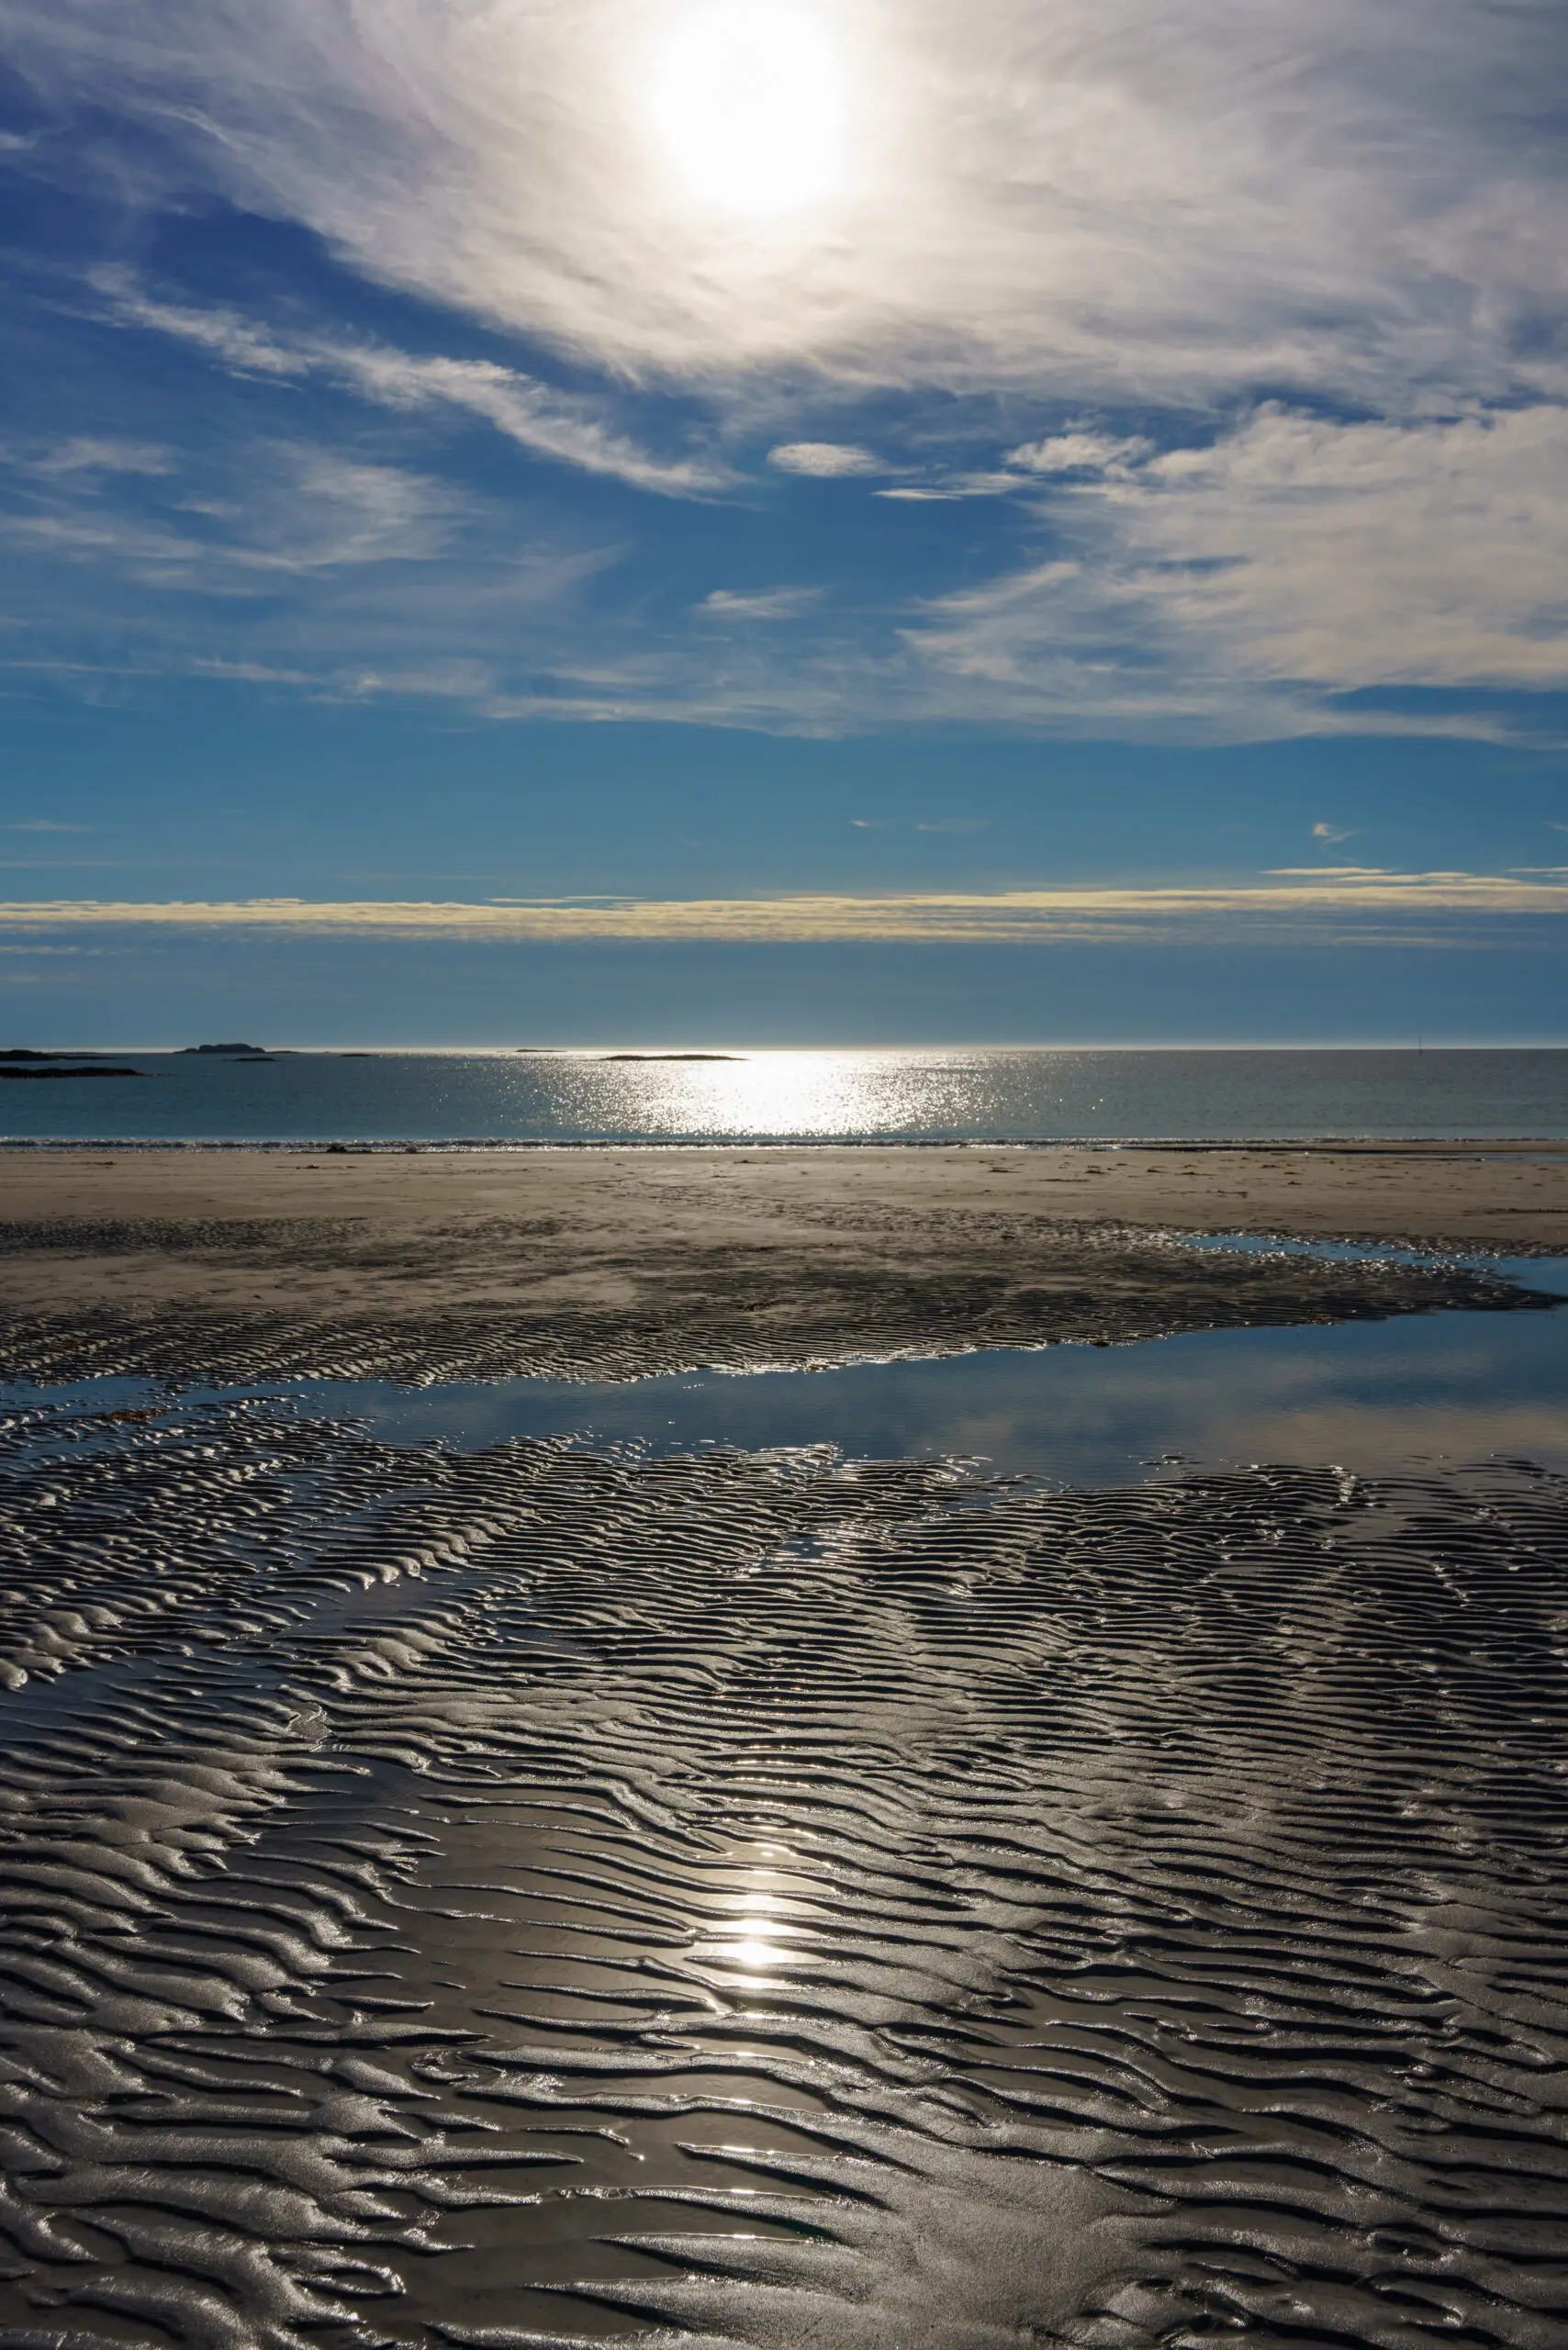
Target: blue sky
<point>664,518</point>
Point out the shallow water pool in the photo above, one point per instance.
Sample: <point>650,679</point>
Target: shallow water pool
<point>1366,1395</point>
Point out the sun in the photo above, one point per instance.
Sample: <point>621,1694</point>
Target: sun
<point>747,106</point>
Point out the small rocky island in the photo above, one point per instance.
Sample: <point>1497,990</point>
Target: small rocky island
<point>33,1075</point>
<point>231,1052</point>
<point>672,1056</point>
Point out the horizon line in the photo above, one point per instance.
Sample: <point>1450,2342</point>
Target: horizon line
<point>1418,1046</point>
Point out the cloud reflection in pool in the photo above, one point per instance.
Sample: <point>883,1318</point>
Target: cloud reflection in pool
<point>1463,1387</point>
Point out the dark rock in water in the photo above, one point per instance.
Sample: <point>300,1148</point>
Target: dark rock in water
<point>256,1060</point>
<point>673,1057</point>
<point>25,1076</point>
<point>26,1053</point>
<point>230,1051</point>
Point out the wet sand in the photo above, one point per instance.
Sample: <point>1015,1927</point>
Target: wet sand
<point>527,1897</point>
<point>609,1263</point>
<point>524,1900</point>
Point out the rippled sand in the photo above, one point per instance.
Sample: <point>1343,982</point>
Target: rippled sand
<point>532,1898</point>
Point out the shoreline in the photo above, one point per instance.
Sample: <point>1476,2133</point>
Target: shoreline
<point>457,1146</point>
<point>617,1263</point>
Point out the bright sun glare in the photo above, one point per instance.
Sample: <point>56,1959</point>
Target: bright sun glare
<point>747,106</point>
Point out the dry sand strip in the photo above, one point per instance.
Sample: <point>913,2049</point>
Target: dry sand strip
<point>615,1263</point>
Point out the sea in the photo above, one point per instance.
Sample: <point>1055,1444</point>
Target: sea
<point>979,1094</point>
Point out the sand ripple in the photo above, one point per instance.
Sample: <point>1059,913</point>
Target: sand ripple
<point>533,1898</point>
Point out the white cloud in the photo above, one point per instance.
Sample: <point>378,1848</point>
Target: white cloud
<point>575,431</point>
<point>322,573</point>
<point>453,680</point>
<point>1236,591</point>
<point>235,342</point>
<point>85,455</point>
<point>1312,902</point>
<point>824,460</point>
<point>1116,218</point>
<point>951,486</point>
<point>1432,554</point>
<point>1330,833</point>
<point>1163,200</point>
<point>525,411</point>
<point>770,604</point>
<point>1070,453</point>
<point>343,511</point>
<point>1241,588</point>
<point>1295,560</point>
<point>311,510</point>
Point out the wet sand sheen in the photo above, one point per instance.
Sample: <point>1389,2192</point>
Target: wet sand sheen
<point>523,1898</point>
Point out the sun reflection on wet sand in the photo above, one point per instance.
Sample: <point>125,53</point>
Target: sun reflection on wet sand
<point>755,1935</point>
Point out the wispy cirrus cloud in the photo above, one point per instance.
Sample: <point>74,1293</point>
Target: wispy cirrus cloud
<point>290,564</point>
<point>825,460</point>
<point>1170,373</point>
<point>1074,452</point>
<point>1293,561</point>
<point>1261,585</point>
<point>1306,902</point>
<point>547,422</point>
<point>1106,227</point>
<point>317,511</point>
<point>763,604</point>
<point>941,489</point>
<point>92,453</point>
<point>1158,202</point>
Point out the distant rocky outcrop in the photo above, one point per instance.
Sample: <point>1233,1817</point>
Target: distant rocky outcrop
<point>242,1052</point>
<point>36,1076</point>
<point>672,1056</point>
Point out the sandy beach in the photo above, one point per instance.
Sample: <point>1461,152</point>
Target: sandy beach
<point>611,1263</point>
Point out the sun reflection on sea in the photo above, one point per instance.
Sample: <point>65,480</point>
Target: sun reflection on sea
<point>771,1093</point>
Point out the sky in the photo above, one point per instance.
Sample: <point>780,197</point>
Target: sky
<point>814,521</point>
